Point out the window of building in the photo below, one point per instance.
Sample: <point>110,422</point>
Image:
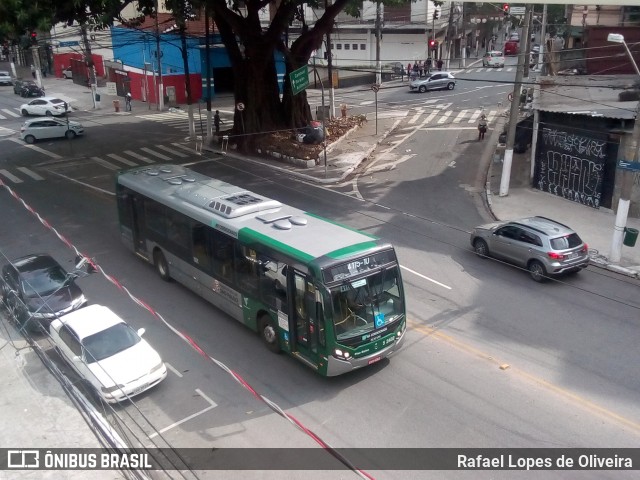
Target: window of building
<point>338,46</point>
<point>354,46</point>
<point>347,46</point>
<point>363,46</point>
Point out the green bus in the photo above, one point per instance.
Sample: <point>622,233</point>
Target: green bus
<point>328,295</point>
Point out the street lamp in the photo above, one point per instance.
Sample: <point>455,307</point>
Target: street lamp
<point>627,179</point>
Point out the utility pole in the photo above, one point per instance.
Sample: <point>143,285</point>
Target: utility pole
<point>513,115</point>
<point>448,36</point>
<point>332,112</point>
<point>160,92</point>
<point>378,39</point>
<point>89,62</point>
<point>527,50</point>
<point>208,67</point>
<point>543,41</point>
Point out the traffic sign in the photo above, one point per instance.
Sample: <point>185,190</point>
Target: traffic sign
<point>625,165</point>
<point>299,79</point>
<point>72,43</point>
<point>516,10</point>
<point>240,106</point>
<point>375,87</point>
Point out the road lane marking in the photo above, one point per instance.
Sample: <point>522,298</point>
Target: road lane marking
<point>415,118</point>
<point>425,277</point>
<point>138,156</point>
<point>30,173</point>
<point>171,151</point>
<point>184,147</point>
<point>460,116</point>
<point>474,116</point>
<point>10,112</point>
<point>156,154</point>
<point>118,158</point>
<point>105,164</point>
<point>170,367</point>
<point>430,117</point>
<point>36,149</point>
<point>445,116</point>
<point>9,176</point>
<point>190,417</point>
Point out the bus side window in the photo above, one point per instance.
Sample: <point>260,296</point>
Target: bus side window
<point>245,266</point>
<point>199,238</point>
<point>223,255</point>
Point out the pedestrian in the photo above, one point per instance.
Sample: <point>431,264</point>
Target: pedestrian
<point>420,68</point>
<point>408,69</point>
<point>428,65</point>
<point>482,127</point>
<point>44,71</point>
<point>127,102</point>
<point>217,121</point>
<point>33,71</point>
<point>439,64</point>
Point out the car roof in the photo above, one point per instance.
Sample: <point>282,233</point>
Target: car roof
<point>3,72</point>
<point>545,225</point>
<point>90,319</point>
<point>44,119</point>
<point>50,99</point>
<point>34,261</point>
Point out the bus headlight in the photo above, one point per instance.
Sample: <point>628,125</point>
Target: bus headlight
<point>340,354</point>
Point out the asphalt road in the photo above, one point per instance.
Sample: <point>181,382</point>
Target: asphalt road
<point>567,351</point>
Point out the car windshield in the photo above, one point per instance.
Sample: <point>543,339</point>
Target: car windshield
<point>107,343</point>
<point>364,305</point>
<point>568,241</point>
<point>43,281</point>
<point>56,101</point>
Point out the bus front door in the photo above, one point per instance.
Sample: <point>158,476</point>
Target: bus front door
<point>139,244</point>
<point>304,324</point>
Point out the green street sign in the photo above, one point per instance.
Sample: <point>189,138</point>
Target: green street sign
<point>299,79</point>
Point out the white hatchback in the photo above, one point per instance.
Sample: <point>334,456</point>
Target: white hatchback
<point>43,128</point>
<point>106,352</point>
<point>48,106</point>
<point>493,59</point>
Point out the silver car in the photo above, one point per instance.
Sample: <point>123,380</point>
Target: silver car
<point>42,128</point>
<point>5,78</point>
<point>541,245</point>
<point>435,81</point>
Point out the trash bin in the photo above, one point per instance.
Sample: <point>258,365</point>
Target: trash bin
<point>116,105</point>
<point>97,97</point>
<point>630,236</point>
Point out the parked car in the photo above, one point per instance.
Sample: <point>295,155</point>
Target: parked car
<point>48,106</point>
<point>67,73</point>
<point>515,36</point>
<point>543,246</point>
<point>43,128</point>
<point>435,81</point>
<point>5,78</point>
<point>535,48</point>
<point>28,88</point>
<point>107,353</point>
<point>36,287</point>
<point>511,48</point>
<point>493,59</point>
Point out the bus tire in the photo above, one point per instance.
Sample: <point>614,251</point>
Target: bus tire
<point>161,265</point>
<point>269,333</point>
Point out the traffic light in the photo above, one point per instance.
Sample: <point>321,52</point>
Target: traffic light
<point>505,9</point>
<point>433,45</point>
<point>436,13</point>
<point>34,38</point>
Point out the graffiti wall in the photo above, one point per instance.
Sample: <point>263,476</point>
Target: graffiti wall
<point>570,163</point>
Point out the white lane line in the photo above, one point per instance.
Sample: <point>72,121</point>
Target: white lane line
<point>415,118</point>
<point>171,151</point>
<point>186,419</point>
<point>492,114</point>
<point>184,147</point>
<point>10,112</point>
<point>105,164</point>
<point>2,117</point>
<point>430,117</point>
<point>426,278</point>
<point>9,176</point>
<point>474,116</point>
<point>156,154</point>
<point>170,367</point>
<point>118,158</point>
<point>445,116</point>
<point>35,148</point>
<point>460,116</point>
<point>366,102</point>
<point>30,173</point>
<point>5,132</point>
<point>139,157</point>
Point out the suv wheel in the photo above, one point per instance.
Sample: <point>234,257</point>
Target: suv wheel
<point>422,89</point>
<point>537,271</point>
<point>450,85</point>
<point>481,248</point>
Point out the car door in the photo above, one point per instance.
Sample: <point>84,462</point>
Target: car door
<point>502,242</point>
<point>435,81</point>
<point>70,347</point>
<point>38,129</point>
<point>53,129</point>
<point>37,107</point>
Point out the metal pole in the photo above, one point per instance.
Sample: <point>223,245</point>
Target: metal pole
<point>159,56</point>
<point>324,116</point>
<point>208,67</point>
<point>543,41</point>
<point>513,116</point>
<point>378,38</point>
<point>376,94</point>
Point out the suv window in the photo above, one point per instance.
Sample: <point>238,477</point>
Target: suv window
<point>69,337</point>
<point>509,231</point>
<point>528,237</point>
<point>568,241</point>
<point>437,76</point>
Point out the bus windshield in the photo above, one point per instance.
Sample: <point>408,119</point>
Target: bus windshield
<point>366,304</point>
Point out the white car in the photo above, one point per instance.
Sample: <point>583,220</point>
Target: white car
<point>493,59</point>
<point>105,351</point>
<point>5,78</point>
<point>42,128</point>
<point>48,106</point>
<point>67,73</point>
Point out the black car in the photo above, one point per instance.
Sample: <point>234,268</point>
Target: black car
<point>30,89</point>
<point>38,289</point>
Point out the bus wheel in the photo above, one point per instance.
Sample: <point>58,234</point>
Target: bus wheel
<point>269,333</point>
<point>161,265</point>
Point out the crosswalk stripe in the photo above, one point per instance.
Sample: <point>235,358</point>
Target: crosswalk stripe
<point>10,177</point>
<point>30,173</point>
<point>104,163</point>
<point>172,151</point>
<point>2,117</point>
<point>6,131</point>
<point>430,117</point>
<point>10,112</point>
<point>460,116</point>
<point>156,154</point>
<point>184,147</point>
<point>122,160</point>
<point>393,113</point>
<point>414,119</point>
<point>492,114</point>
<point>445,116</point>
<point>139,157</point>
<point>474,116</point>
<point>36,148</point>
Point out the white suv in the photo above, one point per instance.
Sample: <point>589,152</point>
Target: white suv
<point>493,59</point>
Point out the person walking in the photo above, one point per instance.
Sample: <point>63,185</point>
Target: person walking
<point>428,65</point>
<point>216,121</point>
<point>482,126</point>
<point>420,68</point>
<point>33,71</point>
<point>127,102</point>
<point>439,63</point>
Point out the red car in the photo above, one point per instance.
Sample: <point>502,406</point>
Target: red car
<point>511,48</point>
